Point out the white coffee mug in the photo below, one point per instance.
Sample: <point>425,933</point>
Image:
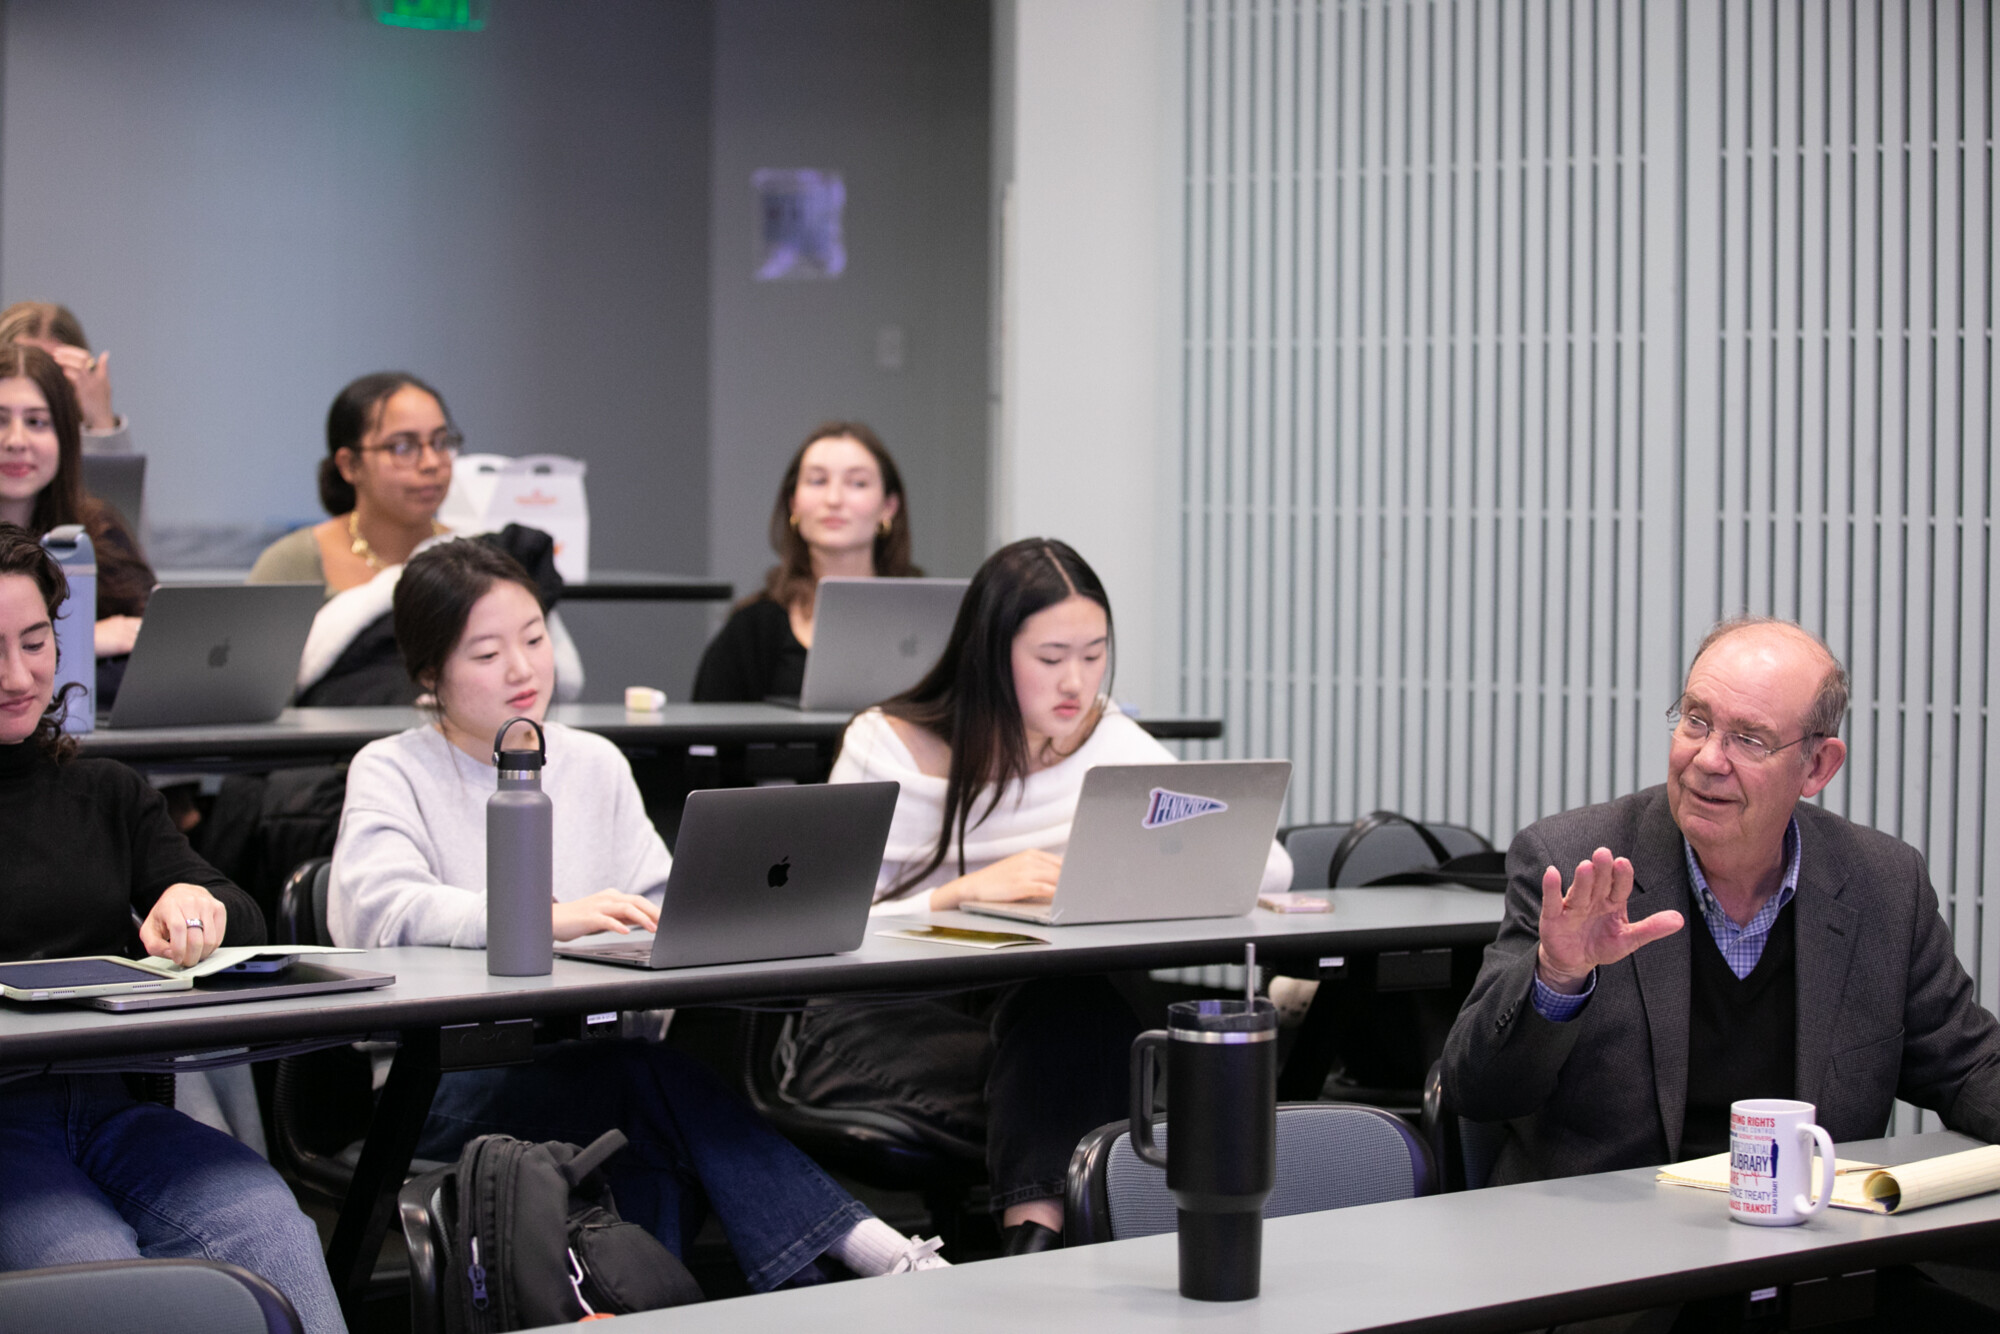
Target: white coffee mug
<point>1771,1143</point>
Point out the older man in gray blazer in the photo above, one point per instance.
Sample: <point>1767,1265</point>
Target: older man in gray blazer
<point>1814,964</point>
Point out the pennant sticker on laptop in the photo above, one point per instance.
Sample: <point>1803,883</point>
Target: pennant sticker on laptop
<point>1165,808</point>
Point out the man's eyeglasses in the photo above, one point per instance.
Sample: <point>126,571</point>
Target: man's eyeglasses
<point>1694,729</point>
<point>408,447</point>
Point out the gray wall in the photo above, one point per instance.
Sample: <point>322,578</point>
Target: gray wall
<point>894,94</point>
<point>249,202</point>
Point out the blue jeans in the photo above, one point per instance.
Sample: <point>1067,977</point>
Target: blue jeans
<point>694,1146</point>
<point>89,1174</point>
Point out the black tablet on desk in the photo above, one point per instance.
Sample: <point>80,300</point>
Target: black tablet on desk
<point>299,979</point>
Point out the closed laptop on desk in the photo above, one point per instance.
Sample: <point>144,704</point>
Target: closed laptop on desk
<point>1154,842</point>
<point>765,873</point>
<point>873,638</point>
<point>216,653</point>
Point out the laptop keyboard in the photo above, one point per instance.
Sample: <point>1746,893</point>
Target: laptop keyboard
<point>641,950</point>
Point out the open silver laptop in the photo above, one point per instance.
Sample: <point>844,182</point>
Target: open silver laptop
<point>1153,842</point>
<point>765,873</point>
<point>216,653</point>
<point>873,638</point>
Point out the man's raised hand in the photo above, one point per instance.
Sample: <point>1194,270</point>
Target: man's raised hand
<point>1589,925</point>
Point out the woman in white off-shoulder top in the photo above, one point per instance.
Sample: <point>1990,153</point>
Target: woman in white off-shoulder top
<point>991,749</point>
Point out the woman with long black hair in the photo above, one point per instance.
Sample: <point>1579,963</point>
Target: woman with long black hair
<point>991,748</point>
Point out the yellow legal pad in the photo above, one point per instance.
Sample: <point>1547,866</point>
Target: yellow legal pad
<point>1870,1187</point>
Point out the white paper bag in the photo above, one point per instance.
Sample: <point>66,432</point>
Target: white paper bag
<point>545,491</point>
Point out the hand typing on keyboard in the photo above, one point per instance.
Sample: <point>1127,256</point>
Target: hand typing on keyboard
<point>606,910</point>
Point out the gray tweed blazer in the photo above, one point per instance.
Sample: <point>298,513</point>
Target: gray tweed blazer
<point>1884,1008</point>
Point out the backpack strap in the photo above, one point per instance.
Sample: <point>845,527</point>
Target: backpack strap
<point>591,1157</point>
<point>1367,825</point>
<point>1485,870</point>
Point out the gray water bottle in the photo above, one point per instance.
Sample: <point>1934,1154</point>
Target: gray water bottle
<point>76,626</point>
<point>520,862</point>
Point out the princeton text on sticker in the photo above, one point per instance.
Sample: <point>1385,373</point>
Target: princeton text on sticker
<point>1164,807</point>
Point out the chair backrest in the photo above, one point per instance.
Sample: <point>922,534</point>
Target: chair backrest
<point>1464,1151</point>
<point>875,1146</point>
<point>144,1297</point>
<point>1385,850</point>
<point>302,904</point>
<point>1330,1155</point>
<point>426,1210</point>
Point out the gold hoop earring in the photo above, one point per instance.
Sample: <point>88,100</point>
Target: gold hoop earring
<point>794,522</point>
<point>885,526</point>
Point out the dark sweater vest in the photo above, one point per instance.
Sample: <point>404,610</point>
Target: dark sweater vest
<point>1742,1034</point>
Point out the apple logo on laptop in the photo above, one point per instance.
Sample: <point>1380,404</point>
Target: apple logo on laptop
<point>219,655</point>
<point>908,647</point>
<point>779,873</point>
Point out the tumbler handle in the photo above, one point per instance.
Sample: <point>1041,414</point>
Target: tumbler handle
<point>1143,1048</point>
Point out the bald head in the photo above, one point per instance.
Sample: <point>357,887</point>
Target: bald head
<point>1789,649</point>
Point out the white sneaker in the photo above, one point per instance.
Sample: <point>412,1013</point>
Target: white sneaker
<point>920,1255</point>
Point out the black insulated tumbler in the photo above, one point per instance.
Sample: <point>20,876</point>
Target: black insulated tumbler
<point>1222,1122</point>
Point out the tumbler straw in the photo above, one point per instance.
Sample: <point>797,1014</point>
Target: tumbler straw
<point>1250,973</point>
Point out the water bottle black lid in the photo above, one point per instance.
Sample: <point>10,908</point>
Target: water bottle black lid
<point>520,759</point>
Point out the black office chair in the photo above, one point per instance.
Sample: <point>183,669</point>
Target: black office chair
<point>321,1102</point>
<point>143,1297</point>
<point>877,1148</point>
<point>1330,1156</point>
<point>1378,844</point>
<point>427,1211</point>
<point>1384,1016</point>
<point>1465,1151</point>
<point>302,904</point>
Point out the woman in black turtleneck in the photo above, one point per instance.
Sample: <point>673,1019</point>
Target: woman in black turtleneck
<point>92,1174</point>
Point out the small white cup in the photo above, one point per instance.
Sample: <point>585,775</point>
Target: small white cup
<point>1771,1142</point>
<point>644,699</point>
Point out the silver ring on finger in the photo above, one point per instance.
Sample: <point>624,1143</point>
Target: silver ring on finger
<point>194,924</point>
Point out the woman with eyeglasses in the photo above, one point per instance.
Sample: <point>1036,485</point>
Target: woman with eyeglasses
<point>390,445</point>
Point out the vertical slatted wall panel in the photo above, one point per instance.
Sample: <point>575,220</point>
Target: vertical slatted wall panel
<point>1449,461</point>
<point>1412,411</point>
<point>1842,203</point>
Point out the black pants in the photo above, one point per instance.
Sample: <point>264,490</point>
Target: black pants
<point>1021,1072</point>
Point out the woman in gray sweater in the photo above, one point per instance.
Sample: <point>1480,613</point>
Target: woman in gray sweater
<point>410,869</point>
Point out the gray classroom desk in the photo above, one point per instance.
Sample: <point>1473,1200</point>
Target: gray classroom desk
<point>440,986</point>
<point>322,734</point>
<point>437,989</point>
<point>1509,1258</point>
